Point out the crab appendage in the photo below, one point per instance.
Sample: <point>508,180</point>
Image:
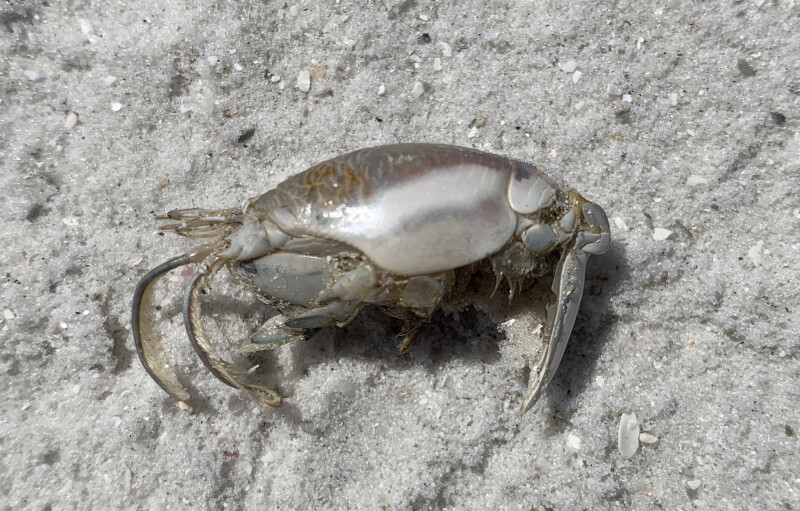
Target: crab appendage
<point>568,284</point>
<point>273,334</point>
<point>568,288</point>
<point>202,223</point>
<point>219,367</point>
<point>410,332</point>
<point>148,343</point>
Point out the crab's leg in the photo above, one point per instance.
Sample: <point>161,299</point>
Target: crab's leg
<point>273,334</point>
<point>568,282</point>
<point>145,339</point>
<point>219,367</point>
<point>568,288</point>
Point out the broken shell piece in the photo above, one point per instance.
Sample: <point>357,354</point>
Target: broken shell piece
<point>628,435</point>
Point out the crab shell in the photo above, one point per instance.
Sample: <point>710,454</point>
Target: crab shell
<point>387,226</point>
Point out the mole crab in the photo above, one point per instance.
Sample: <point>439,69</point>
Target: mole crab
<point>393,226</point>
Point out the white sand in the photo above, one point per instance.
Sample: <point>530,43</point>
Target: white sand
<point>695,332</point>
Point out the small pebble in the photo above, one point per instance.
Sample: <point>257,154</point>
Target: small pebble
<point>628,435</point>
<point>574,442</point>
<point>569,66</point>
<point>418,90</point>
<point>673,99</point>
<point>115,107</point>
<point>446,50</point>
<point>8,315</point>
<point>778,117</point>
<point>275,78</point>
<point>620,223</point>
<point>381,90</point>
<point>755,253</point>
<point>246,135</point>
<point>696,181</point>
<point>318,71</point>
<point>613,90</point>
<point>624,109</point>
<point>109,80</point>
<point>31,75</point>
<point>647,438</point>
<point>424,17</point>
<point>745,69</point>
<point>71,121</point>
<point>304,80</point>
<point>627,98</point>
<point>437,64</point>
<point>576,76</point>
<point>213,60</point>
<point>660,234</point>
<point>237,66</point>
<point>694,484</point>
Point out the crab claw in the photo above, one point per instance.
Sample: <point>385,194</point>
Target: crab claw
<point>568,288</point>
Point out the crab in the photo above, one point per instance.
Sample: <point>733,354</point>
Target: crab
<point>395,226</point>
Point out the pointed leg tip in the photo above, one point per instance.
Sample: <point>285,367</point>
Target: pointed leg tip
<point>184,405</point>
<point>267,396</point>
<point>528,401</point>
<point>404,345</point>
<point>409,338</point>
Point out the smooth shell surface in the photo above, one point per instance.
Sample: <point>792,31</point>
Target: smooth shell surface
<point>412,209</point>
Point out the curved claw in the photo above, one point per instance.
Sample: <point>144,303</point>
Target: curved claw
<point>568,288</point>
<point>145,339</point>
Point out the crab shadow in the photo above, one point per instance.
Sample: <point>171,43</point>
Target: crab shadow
<point>373,338</point>
<point>469,336</point>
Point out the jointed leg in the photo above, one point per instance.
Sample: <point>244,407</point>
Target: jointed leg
<point>201,223</point>
<point>272,334</point>
<point>568,288</point>
<point>412,327</point>
<point>145,338</point>
<point>219,367</point>
<point>294,327</point>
